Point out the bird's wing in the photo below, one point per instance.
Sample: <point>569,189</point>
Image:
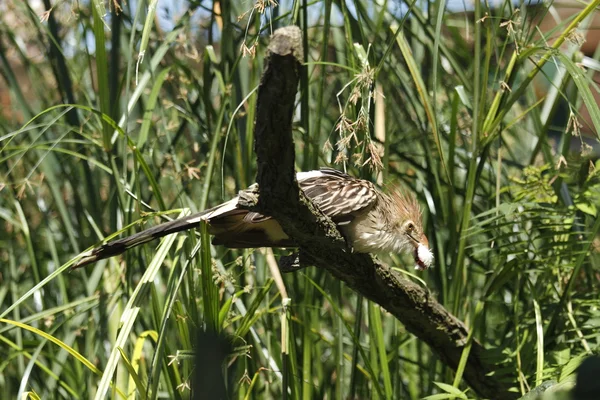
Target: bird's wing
<point>338,195</point>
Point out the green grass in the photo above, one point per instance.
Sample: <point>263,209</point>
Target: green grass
<point>472,115</point>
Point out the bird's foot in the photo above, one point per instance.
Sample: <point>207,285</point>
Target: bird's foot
<point>292,262</point>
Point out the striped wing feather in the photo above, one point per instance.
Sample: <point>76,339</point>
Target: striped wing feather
<point>339,196</point>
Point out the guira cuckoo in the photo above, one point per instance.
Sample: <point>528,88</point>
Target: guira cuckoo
<point>371,221</point>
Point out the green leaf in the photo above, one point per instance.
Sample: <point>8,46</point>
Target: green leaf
<point>455,392</point>
<point>570,368</point>
<point>583,83</point>
<point>141,389</point>
<point>587,208</point>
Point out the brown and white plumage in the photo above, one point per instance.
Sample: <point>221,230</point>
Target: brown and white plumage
<point>371,221</point>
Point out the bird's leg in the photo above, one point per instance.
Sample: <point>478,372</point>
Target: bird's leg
<point>248,198</point>
<point>347,240</point>
<point>293,262</point>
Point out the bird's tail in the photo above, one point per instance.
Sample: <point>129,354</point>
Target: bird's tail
<point>116,247</point>
<point>119,246</point>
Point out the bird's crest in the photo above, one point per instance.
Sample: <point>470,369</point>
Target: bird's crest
<point>405,204</point>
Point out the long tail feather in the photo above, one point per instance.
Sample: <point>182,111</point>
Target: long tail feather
<point>116,247</point>
<point>119,246</point>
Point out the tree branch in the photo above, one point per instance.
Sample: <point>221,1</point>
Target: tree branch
<point>320,242</point>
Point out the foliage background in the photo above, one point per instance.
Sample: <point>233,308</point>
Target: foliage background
<point>95,140</point>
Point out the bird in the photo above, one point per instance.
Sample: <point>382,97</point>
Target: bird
<point>371,221</point>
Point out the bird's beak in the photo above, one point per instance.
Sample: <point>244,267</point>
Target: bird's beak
<point>420,241</point>
<point>422,254</point>
<point>424,241</point>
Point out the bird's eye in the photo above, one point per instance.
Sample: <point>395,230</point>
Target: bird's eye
<point>410,227</point>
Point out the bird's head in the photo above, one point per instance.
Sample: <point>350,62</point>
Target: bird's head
<point>408,228</point>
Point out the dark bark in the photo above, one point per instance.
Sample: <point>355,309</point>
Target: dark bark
<point>320,242</point>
